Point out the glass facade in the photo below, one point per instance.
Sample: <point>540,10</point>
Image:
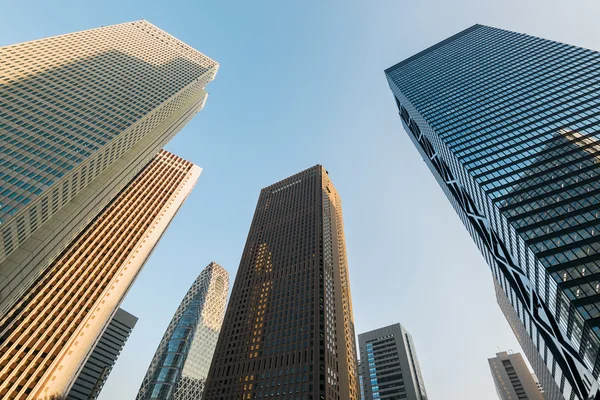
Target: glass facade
<point>508,123</point>
<point>181,362</point>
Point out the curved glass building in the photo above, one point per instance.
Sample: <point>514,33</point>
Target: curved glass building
<point>182,360</point>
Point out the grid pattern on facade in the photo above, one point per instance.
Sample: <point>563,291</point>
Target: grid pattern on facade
<point>289,329</point>
<point>533,350</point>
<point>71,107</point>
<point>513,142</point>
<point>95,372</point>
<point>48,321</point>
<point>513,379</point>
<point>51,121</point>
<point>389,366</point>
<point>180,365</point>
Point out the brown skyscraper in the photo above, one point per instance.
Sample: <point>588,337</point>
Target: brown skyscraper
<point>47,336</point>
<point>289,329</point>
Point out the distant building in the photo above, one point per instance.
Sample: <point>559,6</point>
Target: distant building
<point>389,368</point>
<point>512,378</point>
<point>92,377</point>
<point>180,365</point>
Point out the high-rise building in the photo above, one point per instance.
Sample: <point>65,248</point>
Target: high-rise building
<point>49,333</point>
<point>361,383</point>
<point>536,360</point>
<point>94,373</point>
<point>508,125</point>
<point>389,365</point>
<point>512,378</point>
<point>289,329</point>
<point>180,365</point>
<point>80,115</point>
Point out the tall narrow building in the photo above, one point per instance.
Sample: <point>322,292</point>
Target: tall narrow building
<point>180,365</point>
<point>512,378</point>
<point>93,375</point>
<point>389,365</point>
<point>47,336</point>
<point>508,124</point>
<point>80,115</point>
<point>289,329</point>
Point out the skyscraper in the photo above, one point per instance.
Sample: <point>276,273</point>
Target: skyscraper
<point>94,373</point>
<point>80,115</point>
<point>289,328</point>
<point>536,360</point>
<point>180,365</point>
<point>508,125</point>
<point>512,378</point>
<point>47,336</point>
<point>389,365</point>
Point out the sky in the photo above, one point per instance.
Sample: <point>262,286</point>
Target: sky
<point>301,83</point>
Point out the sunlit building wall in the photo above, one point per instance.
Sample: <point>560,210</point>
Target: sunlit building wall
<point>92,377</point>
<point>47,336</point>
<point>80,115</point>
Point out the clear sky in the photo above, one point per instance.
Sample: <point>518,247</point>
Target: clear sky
<point>301,83</point>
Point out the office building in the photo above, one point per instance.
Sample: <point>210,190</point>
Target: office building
<point>551,390</point>
<point>389,365</point>
<point>507,124</point>
<point>94,373</point>
<point>180,365</point>
<point>289,329</point>
<point>361,383</point>
<point>49,333</point>
<point>80,115</point>
<point>512,378</point>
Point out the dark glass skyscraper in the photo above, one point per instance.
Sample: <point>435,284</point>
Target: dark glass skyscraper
<point>508,124</point>
<point>289,330</point>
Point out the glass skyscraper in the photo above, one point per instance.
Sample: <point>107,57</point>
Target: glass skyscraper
<point>508,124</point>
<point>289,329</point>
<point>80,115</point>
<point>180,365</point>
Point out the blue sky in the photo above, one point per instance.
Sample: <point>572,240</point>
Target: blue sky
<point>301,83</point>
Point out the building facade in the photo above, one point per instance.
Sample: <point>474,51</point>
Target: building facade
<point>512,378</point>
<point>389,366</point>
<point>180,365</point>
<point>49,333</point>
<point>94,373</point>
<point>289,328</point>
<point>508,125</point>
<point>80,115</point>
<point>550,388</point>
